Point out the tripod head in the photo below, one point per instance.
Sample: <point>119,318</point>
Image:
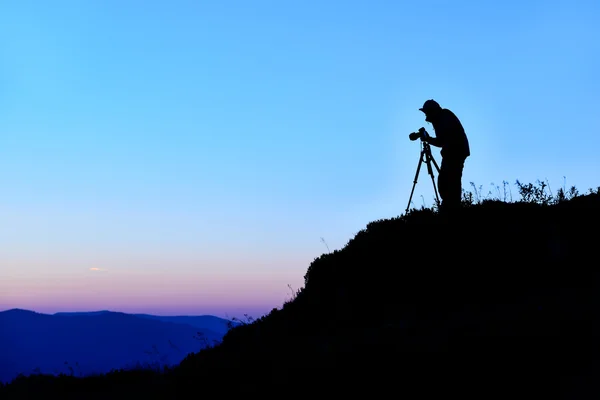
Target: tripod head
<point>423,135</point>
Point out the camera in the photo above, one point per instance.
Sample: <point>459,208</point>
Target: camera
<point>420,134</point>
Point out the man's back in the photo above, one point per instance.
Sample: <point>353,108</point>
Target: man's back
<point>452,134</point>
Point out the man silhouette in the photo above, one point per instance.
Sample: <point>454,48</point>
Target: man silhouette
<point>451,137</point>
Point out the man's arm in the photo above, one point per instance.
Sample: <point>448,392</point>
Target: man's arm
<point>434,141</point>
<point>442,132</point>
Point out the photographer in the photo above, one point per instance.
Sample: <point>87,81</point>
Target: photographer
<point>451,138</point>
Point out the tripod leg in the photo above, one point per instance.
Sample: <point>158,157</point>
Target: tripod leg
<point>415,181</point>
<point>434,163</point>
<point>437,198</point>
<point>430,160</point>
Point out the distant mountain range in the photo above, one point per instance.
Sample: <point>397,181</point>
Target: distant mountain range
<point>204,322</point>
<point>84,343</point>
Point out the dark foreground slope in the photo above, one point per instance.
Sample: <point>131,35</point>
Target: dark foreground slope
<point>499,301</point>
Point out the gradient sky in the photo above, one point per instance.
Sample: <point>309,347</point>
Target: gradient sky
<point>187,157</point>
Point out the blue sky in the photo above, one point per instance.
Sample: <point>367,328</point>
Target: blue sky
<point>188,156</point>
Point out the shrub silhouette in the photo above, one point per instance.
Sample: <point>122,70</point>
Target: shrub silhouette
<point>499,301</point>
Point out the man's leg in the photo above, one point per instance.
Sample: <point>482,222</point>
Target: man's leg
<point>443,183</point>
<point>454,178</point>
<point>450,183</point>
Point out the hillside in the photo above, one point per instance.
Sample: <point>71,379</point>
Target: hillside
<point>497,301</point>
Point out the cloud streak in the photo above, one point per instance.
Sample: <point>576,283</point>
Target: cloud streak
<point>94,269</point>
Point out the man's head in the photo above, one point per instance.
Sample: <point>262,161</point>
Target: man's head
<point>431,109</point>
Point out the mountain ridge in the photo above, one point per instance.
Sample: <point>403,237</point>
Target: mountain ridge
<point>95,342</point>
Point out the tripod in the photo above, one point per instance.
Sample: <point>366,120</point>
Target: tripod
<point>427,158</point>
